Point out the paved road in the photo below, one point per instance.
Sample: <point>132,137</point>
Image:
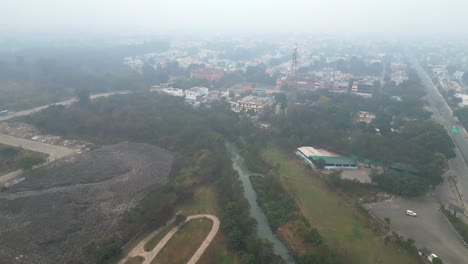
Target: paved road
<point>149,256</point>
<point>443,114</point>
<point>55,152</point>
<point>67,102</point>
<point>429,229</point>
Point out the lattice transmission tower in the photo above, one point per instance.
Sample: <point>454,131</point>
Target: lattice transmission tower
<point>292,81</point>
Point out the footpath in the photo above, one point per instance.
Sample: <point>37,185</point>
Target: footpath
<point>139,250</point>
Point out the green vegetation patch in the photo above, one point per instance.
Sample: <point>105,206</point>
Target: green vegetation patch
<point>181,247</point>
<point>277,204</point>
<point>459,225</point>
<point>343,226</point>
<point>13,158</point>
<point>197,138</point>
<point>204,201</point>
<point>156,238</point>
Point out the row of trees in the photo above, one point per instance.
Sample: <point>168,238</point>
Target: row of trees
<point>280,209</point>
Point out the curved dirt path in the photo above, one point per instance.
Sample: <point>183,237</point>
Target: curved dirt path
<point>149,256</point>
<point>208,239</point>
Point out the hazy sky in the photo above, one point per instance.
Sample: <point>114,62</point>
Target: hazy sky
<point>336,17</point>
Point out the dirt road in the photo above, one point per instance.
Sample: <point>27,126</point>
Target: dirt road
<point>67,102</point>
<point>208,238</point>
<point>149,256</point>
<point>55,152</point>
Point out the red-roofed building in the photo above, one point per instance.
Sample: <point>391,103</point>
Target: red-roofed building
<point>211,74</point>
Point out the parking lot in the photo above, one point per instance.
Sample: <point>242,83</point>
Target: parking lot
<point>429,229</point>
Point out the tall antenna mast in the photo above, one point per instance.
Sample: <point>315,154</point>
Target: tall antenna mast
<point>292,73</point>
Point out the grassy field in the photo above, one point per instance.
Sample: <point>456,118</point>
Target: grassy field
<point>155,240</point>
<point>9,157</point>
<point>204,202</point>
<point>180,248</point>
<point>342,225</point>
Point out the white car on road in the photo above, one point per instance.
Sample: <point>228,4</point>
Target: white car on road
<point>411,213</point>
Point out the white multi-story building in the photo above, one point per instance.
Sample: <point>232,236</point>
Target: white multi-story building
<point>255,103</point>
<point>173,91</point>
<point>363,116</point>
<point>196,93</point>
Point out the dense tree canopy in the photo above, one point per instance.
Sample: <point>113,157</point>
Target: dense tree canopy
<point>195,135</point>
<point>462,115</point>
<point>329,119</point>
<point>465,77</point>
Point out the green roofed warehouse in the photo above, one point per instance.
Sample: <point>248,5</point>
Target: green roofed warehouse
<point>332,159</point>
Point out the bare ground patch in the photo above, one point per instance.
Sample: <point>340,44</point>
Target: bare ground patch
<point>57,209</point>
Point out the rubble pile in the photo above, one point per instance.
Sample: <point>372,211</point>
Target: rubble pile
<point>23,130</point>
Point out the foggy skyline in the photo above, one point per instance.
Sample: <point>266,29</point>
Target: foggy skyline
<point>397,18</point>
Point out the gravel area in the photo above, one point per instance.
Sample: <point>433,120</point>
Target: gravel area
<point>55,210</point>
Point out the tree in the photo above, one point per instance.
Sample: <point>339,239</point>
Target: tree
<point>375,68</point>
<point>281,99</point>
<point>102,250</point>
<point>180,219</point>
<point>251,112</point>
<point>334,178</point>
<point>383,121</point>
<point>387,220</point>
<point>320,163</point>
<point>437,261</point>
<point>256,73</point>
<point>465,77</point>
<point>462,115</point>
<point>410,242</point>
<point>83,97</point>
<point>451,69</point>
<point>324,102</point>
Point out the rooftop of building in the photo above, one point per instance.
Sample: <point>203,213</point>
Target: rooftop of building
<point>198,89</point>
<point>336,160</point>
<point>208,70</point>
<point>318,151</point>
<point>172,89</point>
<point>329,156</point>
<point>251,99</point>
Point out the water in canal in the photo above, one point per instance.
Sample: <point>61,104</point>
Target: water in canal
<point>263,229</point>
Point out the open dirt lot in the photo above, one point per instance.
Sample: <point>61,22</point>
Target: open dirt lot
<point>56,209</point>
<point>362,174</point>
